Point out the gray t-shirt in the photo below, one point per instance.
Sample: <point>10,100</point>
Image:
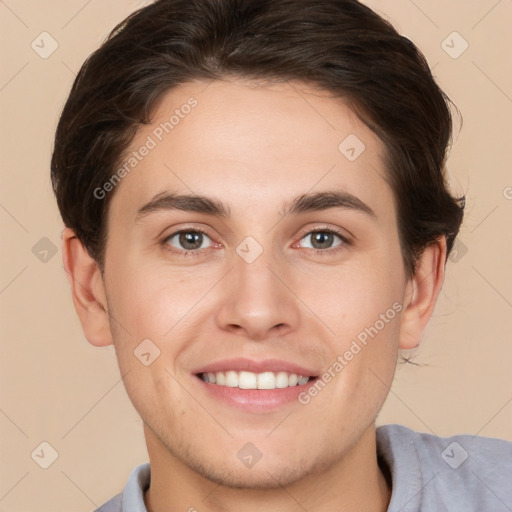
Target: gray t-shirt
<point>462,473</point>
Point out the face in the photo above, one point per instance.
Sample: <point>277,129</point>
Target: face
<point>283,261</point>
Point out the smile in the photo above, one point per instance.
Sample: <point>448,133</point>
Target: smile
<point>250,380</point>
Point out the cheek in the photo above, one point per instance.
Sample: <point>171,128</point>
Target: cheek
<point>157,395</point>
<point>152,301</point>
<point>361,306</point>
<point>351,299</point>
<point>360,372</point>
<point>156,310</point>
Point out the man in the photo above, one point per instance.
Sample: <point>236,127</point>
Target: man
<point>258,220</point>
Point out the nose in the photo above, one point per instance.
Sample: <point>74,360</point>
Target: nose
<point>257,302</point>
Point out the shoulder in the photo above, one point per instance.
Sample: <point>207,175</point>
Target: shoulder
<point>461,472</point>
<point>454,450</point>
<point>132,497</point>
<point>114,504</point>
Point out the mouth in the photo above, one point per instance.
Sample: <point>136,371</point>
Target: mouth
<point>251,380</point>
<point>254,386</point>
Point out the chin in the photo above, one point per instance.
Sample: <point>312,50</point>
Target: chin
<point>269,472</point>
<point>264,477</point>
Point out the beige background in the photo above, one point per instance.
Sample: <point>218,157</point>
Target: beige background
<point>57,388</point>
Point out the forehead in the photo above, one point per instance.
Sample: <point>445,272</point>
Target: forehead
<point>251,143</point>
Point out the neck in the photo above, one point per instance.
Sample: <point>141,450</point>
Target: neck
<point>353,483</point>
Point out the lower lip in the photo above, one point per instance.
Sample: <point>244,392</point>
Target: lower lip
<point>254,400</point>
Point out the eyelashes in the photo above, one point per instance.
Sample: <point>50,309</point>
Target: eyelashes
<point>331,235</point>
<point>175,242</point>
<point>197,234</point>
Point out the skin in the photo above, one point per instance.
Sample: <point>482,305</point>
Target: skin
<point>255,147</point>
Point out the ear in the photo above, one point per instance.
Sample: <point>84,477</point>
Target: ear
<point>421,293</point>
<point>87,290</point>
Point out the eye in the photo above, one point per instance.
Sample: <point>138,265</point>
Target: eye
<point>188,240</point>
<point>324,239</point>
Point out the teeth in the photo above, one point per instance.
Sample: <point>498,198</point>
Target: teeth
<point>282,380</point>
<point>247,380</point>
<point>250,380</point>
<point>231,379</point>
<point>266,380</point>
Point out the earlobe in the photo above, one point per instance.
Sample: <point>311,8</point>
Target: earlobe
<point>87,290</point>
<point>422,292</point>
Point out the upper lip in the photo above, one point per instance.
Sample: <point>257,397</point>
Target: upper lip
<point>266,365</point>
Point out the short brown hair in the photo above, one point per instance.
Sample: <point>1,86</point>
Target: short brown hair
<point>340,46</point>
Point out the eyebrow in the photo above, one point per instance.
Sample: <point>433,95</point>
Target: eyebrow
<point>304,203</point>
